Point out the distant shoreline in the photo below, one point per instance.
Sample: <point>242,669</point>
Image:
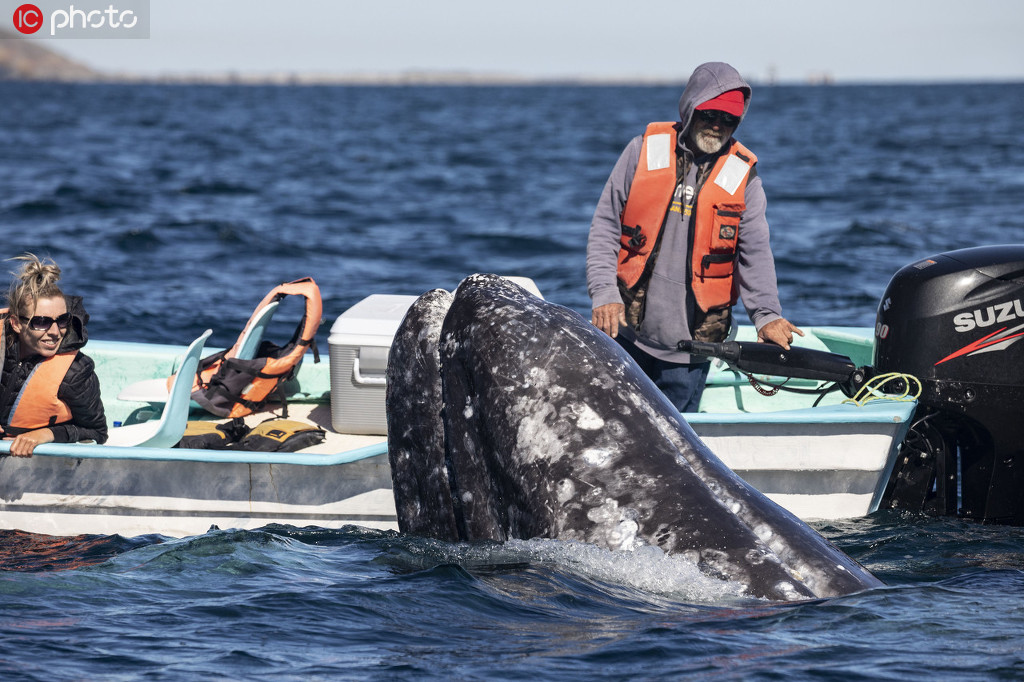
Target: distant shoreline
<point>30,61</point>
<point>440,79</point>
<point>356,79</point>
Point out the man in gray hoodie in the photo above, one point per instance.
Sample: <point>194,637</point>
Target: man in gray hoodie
<point>680,234</point>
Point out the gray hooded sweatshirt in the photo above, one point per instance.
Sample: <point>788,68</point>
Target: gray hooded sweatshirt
<point>669,303</point>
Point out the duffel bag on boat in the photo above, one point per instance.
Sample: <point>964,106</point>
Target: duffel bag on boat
<point>281,435</point>
<point>210,435</point>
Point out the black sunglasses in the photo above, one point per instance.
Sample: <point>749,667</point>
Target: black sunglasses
<point>40,323</point>
<point>715,116</point>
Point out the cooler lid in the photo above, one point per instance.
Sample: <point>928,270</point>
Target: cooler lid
<point>376,315</point>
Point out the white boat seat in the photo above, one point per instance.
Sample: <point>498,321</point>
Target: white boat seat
<point>154,391</point>
<point>526,283</point>
<point>148,391</point>
<point>166,430</point>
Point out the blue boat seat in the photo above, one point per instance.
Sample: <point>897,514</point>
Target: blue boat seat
<point>166,430</point>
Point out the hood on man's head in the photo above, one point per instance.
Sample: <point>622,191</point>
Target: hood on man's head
<point>708,82</point>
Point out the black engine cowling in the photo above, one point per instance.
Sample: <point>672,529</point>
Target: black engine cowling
<point>956,322</point>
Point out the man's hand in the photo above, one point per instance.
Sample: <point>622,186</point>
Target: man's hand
<point>780,332</point>
<point>609,317</point>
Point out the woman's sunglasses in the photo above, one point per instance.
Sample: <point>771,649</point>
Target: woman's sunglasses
<point>40,323</point>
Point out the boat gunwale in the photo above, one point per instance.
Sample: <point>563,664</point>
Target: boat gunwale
<point>93,451</point>
<point>881,411</point>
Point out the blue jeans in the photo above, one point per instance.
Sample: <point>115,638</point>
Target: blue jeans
<point>682,384</point>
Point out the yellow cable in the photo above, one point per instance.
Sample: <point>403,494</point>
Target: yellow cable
<point>872,390</point>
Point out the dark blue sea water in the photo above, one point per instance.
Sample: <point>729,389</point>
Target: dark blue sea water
<point>176,208</point>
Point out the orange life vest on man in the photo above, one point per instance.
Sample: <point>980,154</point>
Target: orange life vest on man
<point>37,405</point>
<point>719,207</point>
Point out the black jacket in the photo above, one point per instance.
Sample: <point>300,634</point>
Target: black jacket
<point>80,388</point>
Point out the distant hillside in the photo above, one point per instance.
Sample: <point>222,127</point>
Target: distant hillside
<point>29,60</point>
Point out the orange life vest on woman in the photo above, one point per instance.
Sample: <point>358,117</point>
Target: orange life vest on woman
<point>37,405</point>
<point>719,207</point>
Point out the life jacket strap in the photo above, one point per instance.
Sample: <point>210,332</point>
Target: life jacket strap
<point>710,258</point>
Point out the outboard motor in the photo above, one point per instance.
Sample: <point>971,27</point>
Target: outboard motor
<point>956,322</point>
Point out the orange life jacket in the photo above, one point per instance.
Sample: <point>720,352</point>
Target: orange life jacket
<point>37,405</point>
<point>719,207</point>
<point>229,387</point>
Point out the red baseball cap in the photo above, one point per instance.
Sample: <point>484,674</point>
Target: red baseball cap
<point>730,102</point>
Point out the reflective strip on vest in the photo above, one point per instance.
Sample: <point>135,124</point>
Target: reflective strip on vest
<point>37,405</point>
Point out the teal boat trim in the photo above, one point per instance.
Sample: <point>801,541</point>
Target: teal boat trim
<point>92,451</point>
<point>875,412</point>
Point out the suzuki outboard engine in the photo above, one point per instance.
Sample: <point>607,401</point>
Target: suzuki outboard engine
<point>956,322</point>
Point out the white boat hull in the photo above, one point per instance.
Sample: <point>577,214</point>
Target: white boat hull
<point>815,469</point>
<point>57,495</point>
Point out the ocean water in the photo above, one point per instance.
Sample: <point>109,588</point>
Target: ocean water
<point>174,208</point>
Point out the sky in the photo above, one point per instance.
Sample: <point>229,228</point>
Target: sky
<point>777,40</point>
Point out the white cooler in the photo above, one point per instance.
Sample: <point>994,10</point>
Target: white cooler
<point>359,344</point>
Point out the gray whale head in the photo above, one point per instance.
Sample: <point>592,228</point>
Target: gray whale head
<point>512,417</point>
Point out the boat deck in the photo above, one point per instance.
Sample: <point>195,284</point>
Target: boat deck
<point>320,415</point>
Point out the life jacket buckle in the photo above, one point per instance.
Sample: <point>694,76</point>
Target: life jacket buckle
<point>637,239</point>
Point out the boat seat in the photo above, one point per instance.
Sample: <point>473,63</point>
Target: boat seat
<point>167,429</point>
<point>154,391</point>
<point>526,283</point>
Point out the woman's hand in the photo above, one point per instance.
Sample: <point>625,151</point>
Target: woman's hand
<point>23,444</point>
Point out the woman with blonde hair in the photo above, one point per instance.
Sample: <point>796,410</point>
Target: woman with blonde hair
<point>49,391</point>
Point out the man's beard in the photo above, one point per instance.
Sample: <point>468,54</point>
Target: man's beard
<point>707,141</point>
